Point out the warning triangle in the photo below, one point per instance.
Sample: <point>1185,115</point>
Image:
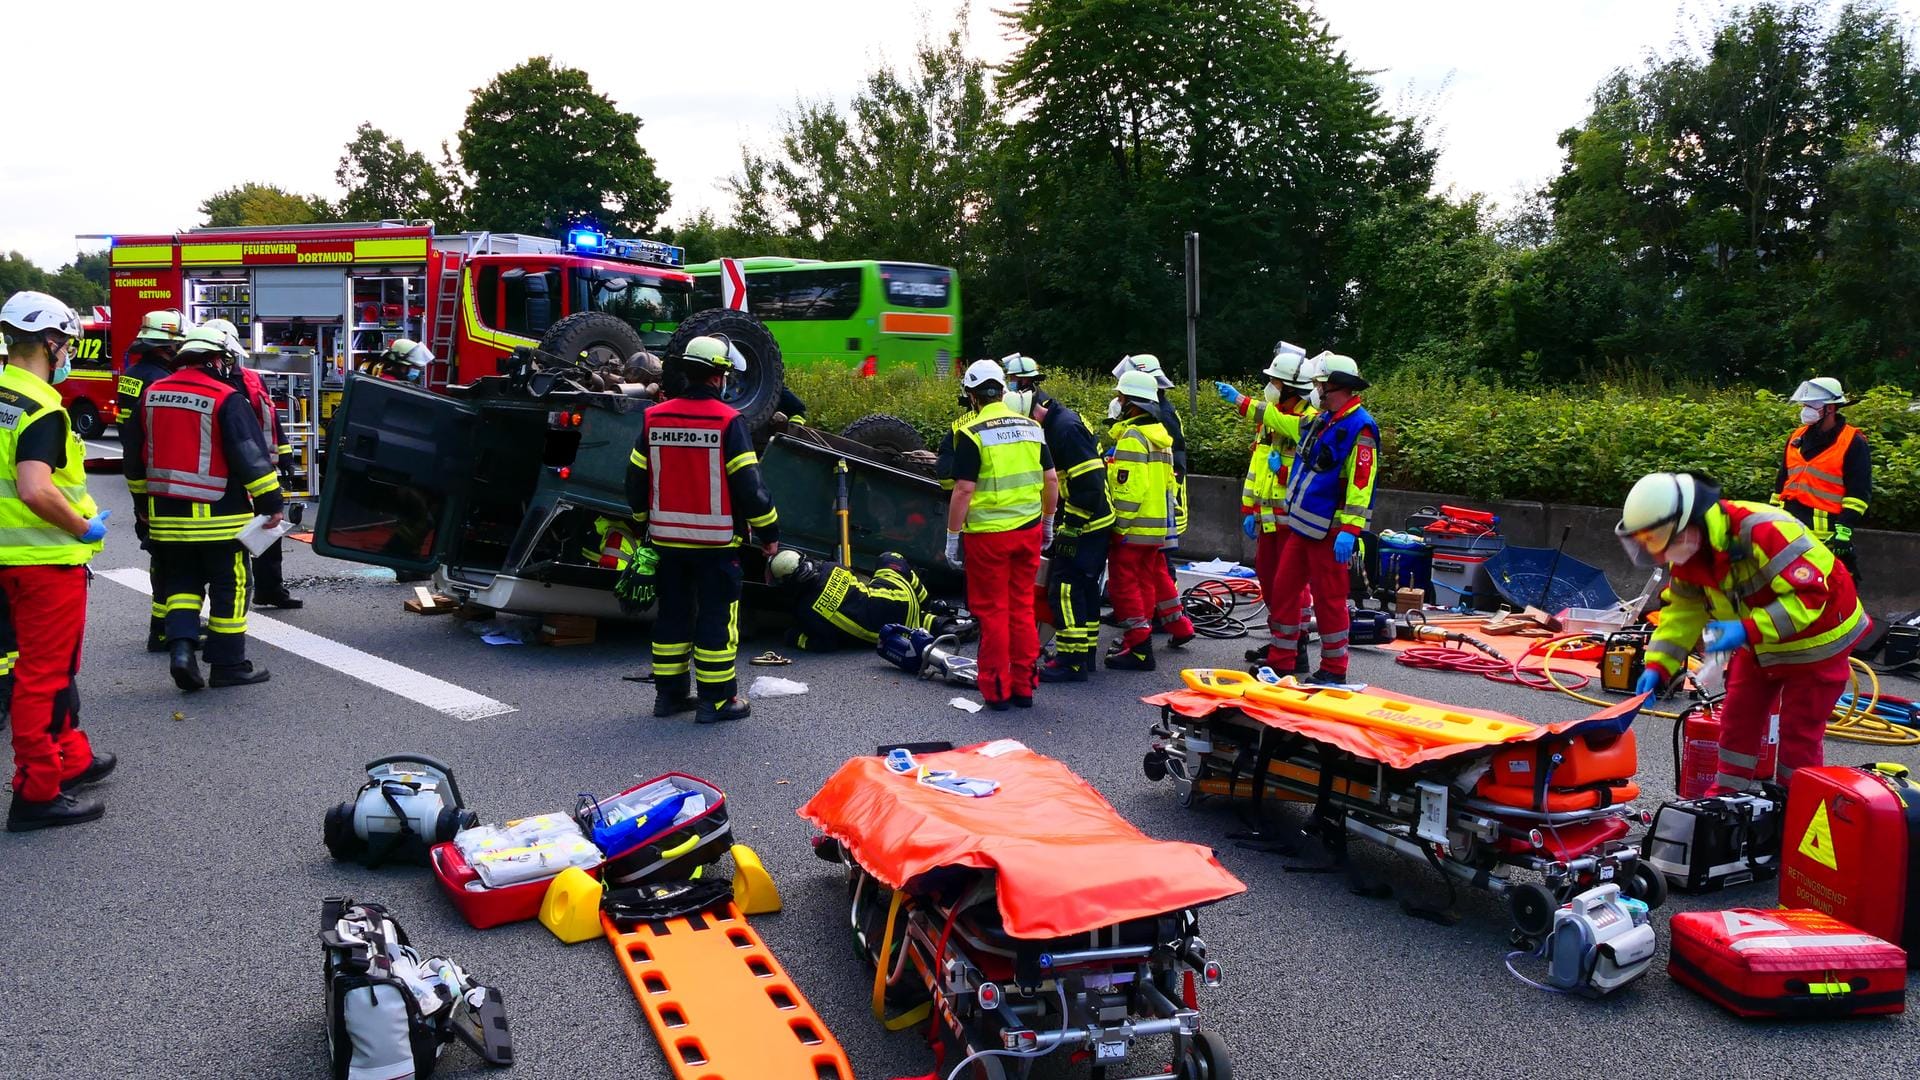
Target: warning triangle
<point>1817,844</point>
<point>1746,922</point>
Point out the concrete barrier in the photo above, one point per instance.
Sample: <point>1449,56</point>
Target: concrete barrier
<point>1888,560</point>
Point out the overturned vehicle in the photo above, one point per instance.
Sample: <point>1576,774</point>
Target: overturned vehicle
<point>501,488</point>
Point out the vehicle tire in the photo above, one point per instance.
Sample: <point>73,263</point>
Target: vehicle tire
<point>885,432</point>
<point>1531,907</point>
<point>755,392</point>
<point>594,338</point>
<point>1206,1058</point>
<point>1154,765</point>
<point>85,418</point>
<point>1646,884</point>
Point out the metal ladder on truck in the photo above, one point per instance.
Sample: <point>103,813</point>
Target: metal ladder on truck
<point>445,317</point>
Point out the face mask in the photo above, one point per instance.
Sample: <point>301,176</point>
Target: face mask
<point>1313,398</point>
<point>413,375</point>
<point>1272,394</point>
<point>1684,547</point>
<point>1113,409</point>
<point>1809,414</point>
<point>1020,401</point>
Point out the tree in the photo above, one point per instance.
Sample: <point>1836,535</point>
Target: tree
<point>383,179</point>
<point>82,283</point>
<point>264,204</point>
<point>545,150</point>
<point>1415,260</point>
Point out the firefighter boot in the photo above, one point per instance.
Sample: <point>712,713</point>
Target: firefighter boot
<point>62,809</point>
<point>1138,658</point>
<point>96,771</point>
<point>669,705</point>
<point>1057,670</point>
<point>240,674</point>
<point>184,668</point>
<point>734,708</point>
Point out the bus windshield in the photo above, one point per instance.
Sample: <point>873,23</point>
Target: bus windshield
<point>653,308</point>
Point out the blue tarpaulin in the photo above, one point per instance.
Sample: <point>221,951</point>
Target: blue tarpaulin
<point>1520,573</point>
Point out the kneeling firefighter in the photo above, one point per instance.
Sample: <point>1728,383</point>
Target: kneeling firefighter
<point>207,474</point>
<point>834,609</point>
<point>1750,580</point>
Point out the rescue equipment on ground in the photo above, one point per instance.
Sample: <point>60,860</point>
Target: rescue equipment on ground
<point>1792,962</point>
<point>673,847</point>
<point>1466,791</point>
<point>526,848</point>
<point>409,803</point>
<point>1623,661</point>
<point>921,653</point>
<point>391,1011</point>
<point>1848,848</point>
<point>1600,941</point>
<point>571,907</point>
<point>1697,750</point>
<point>754,892</point>
<point>1035,921</point>
<point>1705,844</point>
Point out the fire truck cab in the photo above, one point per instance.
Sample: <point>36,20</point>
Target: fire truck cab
<point>88,392</point>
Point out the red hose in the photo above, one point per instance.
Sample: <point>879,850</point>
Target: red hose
<point>1452,657</point>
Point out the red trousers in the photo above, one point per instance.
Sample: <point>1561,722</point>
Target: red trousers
<point>1306,563</point>
<point>1266,568</point>
<point>46,616</point>
<point>1803,694</point>
<point>1143,593</point>
<point>1001,570</point>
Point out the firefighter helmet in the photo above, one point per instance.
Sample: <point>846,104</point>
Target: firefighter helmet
<point>163,327</point>
<point>1340,371</point>
<point>207,342</point>
<point>1820,392</point>
<point>1659,507</point>
<point>715,350</point>
<point>1139,387</point>
<point>1018,366</point>
<point>783,564</point>
<point>1146,362</point>
<point>31,313</point>
<point>981,372</point>
<point>1289,366</point>
<point>409,353</point>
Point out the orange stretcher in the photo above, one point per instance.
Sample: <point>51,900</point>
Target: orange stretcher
<point>1471,792</point>
<point>720,1005</point>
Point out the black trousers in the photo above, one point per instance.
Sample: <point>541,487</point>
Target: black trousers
<point>697,626</point>
<point>1073,589</point>
<point>269,581</point>
<point>217,572</point>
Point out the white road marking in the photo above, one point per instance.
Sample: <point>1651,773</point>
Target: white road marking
<point>105,450</point>
<point>437,694</point>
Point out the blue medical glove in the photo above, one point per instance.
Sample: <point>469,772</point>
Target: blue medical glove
<point>1724,635</point>
<point>1273,462</point>
<point>1250,524</point>
<point>96,528</point>
<point>1227,393</point>
<point>1343,548</point>
<point>1649,682</point>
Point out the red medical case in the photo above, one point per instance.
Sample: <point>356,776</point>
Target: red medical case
<point>484,907</point>
<point>1793,963</point>
<point>1847,848</point>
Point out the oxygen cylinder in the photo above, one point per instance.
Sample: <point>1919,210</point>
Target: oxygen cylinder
<point>1700,751</point>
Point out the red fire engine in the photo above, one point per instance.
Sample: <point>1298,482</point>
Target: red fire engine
<point>88,392</point>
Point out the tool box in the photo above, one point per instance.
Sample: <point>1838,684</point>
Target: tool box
<point>1786,963</point>
<point>1711,843</point>
<point>698,834</point>
<point>1847,848</point>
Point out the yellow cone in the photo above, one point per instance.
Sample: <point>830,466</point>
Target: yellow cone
<point>571,908</point>
<point>754,892</point>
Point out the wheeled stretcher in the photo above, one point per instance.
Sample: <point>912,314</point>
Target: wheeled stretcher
<point>1029,921</point>
<point>1475,794</point>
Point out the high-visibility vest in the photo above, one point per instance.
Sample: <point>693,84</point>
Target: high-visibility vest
<point>186,458</point>
<point>1010,488</point>
<point>1820,481</point>
<point>686,460</point>
<point>26,539</point>
<point>1141,484</point>
<point>1263,493</point>
<point>1317,492</point>
<point>613,544</point>
<point>943,459</point>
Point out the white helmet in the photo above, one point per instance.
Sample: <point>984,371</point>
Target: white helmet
<point>409,352</point>
<point>784,563</point>
<point>236,349</point>
<point>30,313</point>
<point>1139,387</point>
<point>1340,371</point>
<point>207,342</point>
<point>1018,366</point>
<point>165,326</point>
<point>1290,366</point>
<point>981,372</point>
<point>1146,362</point>
<point>1659,506</point>
<point>1818,392</point>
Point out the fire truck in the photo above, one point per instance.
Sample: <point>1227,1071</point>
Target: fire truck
<point>88,392</point>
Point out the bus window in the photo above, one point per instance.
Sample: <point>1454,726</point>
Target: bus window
<point>916,286</point>
<point>813,295</point>
<point>651,307</point>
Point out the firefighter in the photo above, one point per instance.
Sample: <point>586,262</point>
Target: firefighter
<point>1170,418</point>
<point>1024,376</point>
<point>149,359</point>
<point>51,530</point>
<point>1277,419</point>
<point>834,609</point>
<point>943,454</point>
<point>207,473</point>
<point>1079,551</point>
<point>1826,477</point>
<point>1329,502</point>
<point>1750,580</point>
<point>998,522</point>
<point>269,575</point>
<point>1141,484</point>
<point>405,361</point>
<point>694,484</point>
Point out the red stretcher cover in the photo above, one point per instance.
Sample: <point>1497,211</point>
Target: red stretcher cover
<point>1391,748</point>
<point>1067,862</point>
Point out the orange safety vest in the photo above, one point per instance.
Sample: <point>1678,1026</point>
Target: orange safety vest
<point>1819,482</point>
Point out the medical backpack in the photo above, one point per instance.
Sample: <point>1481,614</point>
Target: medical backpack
<point>1787,963</point>
<point>1848,846</point>
<point>390,1011</point>
<point>1700,845</point>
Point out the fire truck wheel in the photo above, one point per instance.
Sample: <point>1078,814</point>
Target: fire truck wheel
<point>755,392</point>
<point>595,338</point>
<point>86,418</point>
<point>884,432</point>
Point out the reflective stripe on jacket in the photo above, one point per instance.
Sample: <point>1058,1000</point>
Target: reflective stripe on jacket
<point>1009,491</point>
<point>1331,488</point>
<point>1263,493</point>
<point>27,539</point>
<point>1141,484</point>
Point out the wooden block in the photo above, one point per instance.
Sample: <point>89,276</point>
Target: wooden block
<point>568,630</point>
<point>426,603</point>
<point>1410,599</point>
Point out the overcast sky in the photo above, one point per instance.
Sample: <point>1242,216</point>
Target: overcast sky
<point>275,95</point>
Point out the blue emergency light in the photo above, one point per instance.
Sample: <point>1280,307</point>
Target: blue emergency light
<point>585,240</point>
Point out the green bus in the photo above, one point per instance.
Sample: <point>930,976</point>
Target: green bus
<point>863,314</point>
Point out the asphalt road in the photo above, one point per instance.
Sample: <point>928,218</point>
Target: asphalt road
<point>176,937</point>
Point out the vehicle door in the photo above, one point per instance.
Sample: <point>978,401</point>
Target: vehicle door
<point>399,475</point>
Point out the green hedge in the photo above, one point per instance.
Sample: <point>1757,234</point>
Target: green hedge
<point>1584,445</point>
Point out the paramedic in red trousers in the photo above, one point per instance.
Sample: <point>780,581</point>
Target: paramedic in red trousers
<point>149,359</point>
<point>207,475</point>
<point>49,530</point>
<point>269,579</point>
<point>1145,496</point>
<point>1329,501</point>
<point>1749,580</point>
<point>999,520</point>
<point>1169,415</point>
<point>1826,474</point>
<point>694,483</point>
<point>1277,417</point>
